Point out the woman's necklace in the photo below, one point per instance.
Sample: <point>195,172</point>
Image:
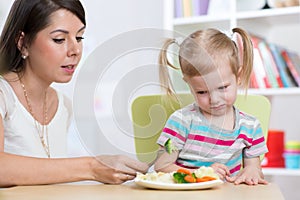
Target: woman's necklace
<point>42,129</point>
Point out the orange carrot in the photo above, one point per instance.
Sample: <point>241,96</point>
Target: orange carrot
<point>190,178</point>
<point>184,171</point>
<point>204,179</point>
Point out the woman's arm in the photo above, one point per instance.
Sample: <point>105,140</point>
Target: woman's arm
<point>1,135</point>
<point>22,170</point>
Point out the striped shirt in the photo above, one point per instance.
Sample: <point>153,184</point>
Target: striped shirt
<point>202,144</point>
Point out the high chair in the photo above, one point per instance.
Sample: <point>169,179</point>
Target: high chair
<point>149,114</point>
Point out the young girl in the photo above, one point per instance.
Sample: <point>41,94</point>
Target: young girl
<point>212,132</point>
<point>41,43</point>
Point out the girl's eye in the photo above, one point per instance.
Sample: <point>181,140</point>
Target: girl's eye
<point>223,87</point>
<point>58,41</point>
<point>79,39</point>
<point>202,92</point>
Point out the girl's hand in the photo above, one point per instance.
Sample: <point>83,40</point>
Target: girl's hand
<point>250,175</point>
<point>221,170</point>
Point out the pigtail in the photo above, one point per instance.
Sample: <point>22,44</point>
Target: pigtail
<point>164,63</point>
<point>246,58</point>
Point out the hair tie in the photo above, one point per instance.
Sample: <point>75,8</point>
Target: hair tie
<point>234,38</point>
<point>178,40</point>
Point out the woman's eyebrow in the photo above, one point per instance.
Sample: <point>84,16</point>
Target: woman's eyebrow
<point>65,31</point>
<point>59,30</point>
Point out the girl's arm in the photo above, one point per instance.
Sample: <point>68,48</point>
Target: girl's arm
<point>251,174</point>
<point>165,161</point>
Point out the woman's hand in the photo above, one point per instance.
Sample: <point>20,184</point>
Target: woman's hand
<point>221,170</point>
<point>116,169</point>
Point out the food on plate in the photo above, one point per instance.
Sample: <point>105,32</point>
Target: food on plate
<point>201,174</point>
<point>182,175</point>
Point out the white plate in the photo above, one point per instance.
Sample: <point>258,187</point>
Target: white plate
<point>177,186</point>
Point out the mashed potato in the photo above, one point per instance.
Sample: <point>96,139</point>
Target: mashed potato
<point>157,177</point>
<point>205,171</point>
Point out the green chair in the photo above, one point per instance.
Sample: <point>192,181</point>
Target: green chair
<point>149,114</point>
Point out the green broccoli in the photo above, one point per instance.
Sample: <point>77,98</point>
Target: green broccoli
<point>170,146</point>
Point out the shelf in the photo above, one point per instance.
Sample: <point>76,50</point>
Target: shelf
<point>280,15</point>
<point>288,11</point>
<point>275,91</point>
<point>280,172</point>
<point>200,19</point>
<point>268,16</point>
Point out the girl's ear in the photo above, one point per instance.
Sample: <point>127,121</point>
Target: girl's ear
<point>21,44</point>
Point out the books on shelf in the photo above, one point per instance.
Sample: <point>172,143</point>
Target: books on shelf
<point>189,8</point>
<point>284,72</point>
<point>291,66</point>
<point>260,73</point>
<point>273,65</point>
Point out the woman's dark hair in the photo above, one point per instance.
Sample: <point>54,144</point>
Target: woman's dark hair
<point>29,17</point>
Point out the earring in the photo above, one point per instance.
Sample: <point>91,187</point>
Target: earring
<point>24,57</point>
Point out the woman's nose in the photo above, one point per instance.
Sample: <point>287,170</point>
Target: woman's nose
<point>74,48</point>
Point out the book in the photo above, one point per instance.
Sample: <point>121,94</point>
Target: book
<point>285,75</point>
<point>200,7</point>
<point>258,65</point>
<point>272,73</point>
<point>274,66</point>
<point>187,8</point>
<point>178,9</point>
<point>253,81</point>
<point>259,77</point>
<point>291,66</point>
<point>295,58</point>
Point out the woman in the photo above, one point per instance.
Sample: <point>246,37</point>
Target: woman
<point>41,43</point>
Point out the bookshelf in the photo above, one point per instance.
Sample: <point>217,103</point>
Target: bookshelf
<point>276,25</point>
<point>281,172</point>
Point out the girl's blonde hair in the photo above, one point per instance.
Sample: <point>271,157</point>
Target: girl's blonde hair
<point>204,50</point>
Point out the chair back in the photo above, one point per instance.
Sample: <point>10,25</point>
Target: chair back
<point>150,113</point>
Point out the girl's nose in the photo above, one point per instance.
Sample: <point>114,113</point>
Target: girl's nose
<point>214,97</point>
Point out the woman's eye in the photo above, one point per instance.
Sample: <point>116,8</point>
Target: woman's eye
<point>59,41</point>
<point>79,39</point>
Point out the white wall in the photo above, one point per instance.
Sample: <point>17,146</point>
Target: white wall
<point>105,21</point>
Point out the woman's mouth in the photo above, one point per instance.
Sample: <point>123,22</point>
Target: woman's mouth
<point>69,68</point>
